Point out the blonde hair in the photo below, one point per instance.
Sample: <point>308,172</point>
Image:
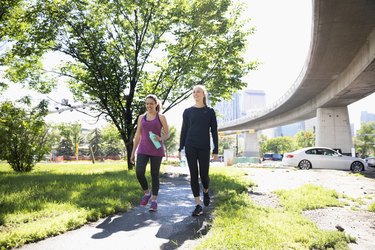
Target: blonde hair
<point>157,101</point>
<point>204,92</point>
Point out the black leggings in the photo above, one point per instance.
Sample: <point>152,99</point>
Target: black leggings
<point>195,156</point>
<point>140,168</point>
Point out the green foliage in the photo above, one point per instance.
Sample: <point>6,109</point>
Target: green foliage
<point>70,134</point>
<point>24,135</point>
<point>171,144</point>
<point>305,139</point>
<point>51,200</point>
<point>6,8</point>
<point>114,58</point>
<point>95,139</point>
<point>276,145</point>
<point>111,143</point>
<point>365,139</point>
<point>226,142</point>
<point>65,148</point>
<point>371,207</point>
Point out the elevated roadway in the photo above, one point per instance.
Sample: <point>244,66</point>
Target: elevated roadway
<point>339,70</point>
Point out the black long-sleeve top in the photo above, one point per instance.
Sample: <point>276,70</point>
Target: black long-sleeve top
<point>197,124</point>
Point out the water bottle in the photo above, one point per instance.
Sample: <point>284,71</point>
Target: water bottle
<point>183,158</point>
<point>154,140</point>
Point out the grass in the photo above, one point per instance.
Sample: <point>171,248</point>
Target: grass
<point>371,207</point>
<point>308,197</point>
<point>240,224</point>
<point>54,198</point>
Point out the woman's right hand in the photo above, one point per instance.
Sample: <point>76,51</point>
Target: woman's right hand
<point>132,158</point>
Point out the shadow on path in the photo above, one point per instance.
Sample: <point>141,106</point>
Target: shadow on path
<point>168,228</point>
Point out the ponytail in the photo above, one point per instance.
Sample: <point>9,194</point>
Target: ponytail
<point>157,101</point>
<point>204,91</point>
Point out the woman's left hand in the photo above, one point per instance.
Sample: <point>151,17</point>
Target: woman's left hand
<point>214,157</point>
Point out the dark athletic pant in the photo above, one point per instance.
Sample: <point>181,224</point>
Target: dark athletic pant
<point>198,160</point>
<point>140,168</point>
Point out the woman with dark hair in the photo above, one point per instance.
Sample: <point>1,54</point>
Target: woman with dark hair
<point>148,142</point>
<point>198,122</point>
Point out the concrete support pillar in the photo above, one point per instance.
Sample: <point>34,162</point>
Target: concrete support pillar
<point>251,147</point>
<point>333,129</point>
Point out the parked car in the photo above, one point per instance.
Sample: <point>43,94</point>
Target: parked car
<point>272,157</point>
<point>323,157</point>
<point>220,158</point>
<point>370,161</point>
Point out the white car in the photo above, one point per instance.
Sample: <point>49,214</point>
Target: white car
<point>322,157</point>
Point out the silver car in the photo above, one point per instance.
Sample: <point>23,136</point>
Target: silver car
<point>370,161</point>
<point>322,157</point>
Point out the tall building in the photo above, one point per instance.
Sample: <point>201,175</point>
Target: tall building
<point>228,110</point>
<point>252,100</point>
<point>367,117</point>
<point>240,105</point>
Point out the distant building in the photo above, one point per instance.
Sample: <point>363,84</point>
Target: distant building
<point>367,117</point>
<point>240,105</point>
<point>289,130</point>
<point>250,100</point>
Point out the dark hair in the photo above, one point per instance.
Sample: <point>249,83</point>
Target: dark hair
<point>157,101</point>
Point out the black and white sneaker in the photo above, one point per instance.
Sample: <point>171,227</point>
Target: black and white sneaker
<point>206,199</point>
<point>198,210</point>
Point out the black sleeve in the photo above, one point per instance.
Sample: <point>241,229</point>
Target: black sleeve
<point>214,133</point>
<point>184,129</point>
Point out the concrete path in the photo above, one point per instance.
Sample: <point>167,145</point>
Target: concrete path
<point>171,227</point>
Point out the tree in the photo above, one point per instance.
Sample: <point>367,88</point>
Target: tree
<point>226,142</point>
<point>95,139</point>
<point>277,145</point>
<point>170,145</point>
<point>70,139</point>
<point>111,143</point>
<point>365,139</point>
<point>305,139</point>
<point>6,7</point>
<point>118,56</point>
<point>23,135</point>
<point>65,147</point>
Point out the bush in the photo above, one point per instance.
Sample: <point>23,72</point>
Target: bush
<point>24,136</point>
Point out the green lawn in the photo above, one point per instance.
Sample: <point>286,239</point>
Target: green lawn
<point>54,198</point>
<point>240,224</point>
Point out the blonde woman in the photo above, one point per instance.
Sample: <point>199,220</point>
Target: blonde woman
<point>148,142</point>
<point>199,121</point>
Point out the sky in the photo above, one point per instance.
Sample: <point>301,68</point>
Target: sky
<point>280,42</point>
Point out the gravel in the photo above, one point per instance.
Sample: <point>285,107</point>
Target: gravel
<point>359,192</point>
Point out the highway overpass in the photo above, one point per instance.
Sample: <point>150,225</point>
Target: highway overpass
<point>339,70</point>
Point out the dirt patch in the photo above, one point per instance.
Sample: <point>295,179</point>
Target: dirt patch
<point>358,191</point>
